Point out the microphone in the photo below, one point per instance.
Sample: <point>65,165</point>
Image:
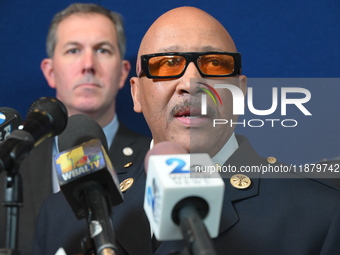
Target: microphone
<point>46,117</point>
<point>182,200</point>
<point>10,120</point>
<point>87,178</point>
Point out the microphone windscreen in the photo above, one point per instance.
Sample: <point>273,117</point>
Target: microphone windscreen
<point>164,148</point>
<point>55,110</point>
<point>80,129</point>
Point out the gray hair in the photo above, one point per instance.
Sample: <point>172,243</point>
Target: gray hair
<point>115,17</point>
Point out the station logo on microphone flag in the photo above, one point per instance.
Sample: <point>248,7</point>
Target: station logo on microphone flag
<point>80,160</point>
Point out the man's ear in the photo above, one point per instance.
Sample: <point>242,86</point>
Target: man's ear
<point>126,67</point>
<point>243,84</point>
<point>48,71</point>
<point>134,83</point>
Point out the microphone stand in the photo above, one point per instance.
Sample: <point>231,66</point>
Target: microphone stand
<point>13,201</point>
<point>15,151</point>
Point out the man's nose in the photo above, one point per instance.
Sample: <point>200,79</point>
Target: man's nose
<point>89,62</point>
<point>187,81</point>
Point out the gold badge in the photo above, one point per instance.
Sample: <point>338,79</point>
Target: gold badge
<point>128,165</point>
<point>126,184</point>
<point>240,181</point>
<point>271,160</point>
<point>218,166</point>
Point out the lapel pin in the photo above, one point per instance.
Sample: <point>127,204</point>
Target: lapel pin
<point>127,151</point>
<point>240,181</point>
<point>271,160</point>
<point>126,184</point>
<point>218,166</point>
<point>128,165</point>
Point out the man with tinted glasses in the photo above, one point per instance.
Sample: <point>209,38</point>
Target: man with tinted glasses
<point>184,52</point>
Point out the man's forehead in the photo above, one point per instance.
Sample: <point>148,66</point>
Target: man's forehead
<point>72,29</point>
<point>180,48</point>
<point>75,22</point>
<point>181,39</point>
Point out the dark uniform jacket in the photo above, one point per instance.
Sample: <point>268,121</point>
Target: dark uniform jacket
<point>37,179</point>
<point>288,214</point>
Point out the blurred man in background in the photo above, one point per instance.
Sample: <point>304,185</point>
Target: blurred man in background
<point>86,45</point>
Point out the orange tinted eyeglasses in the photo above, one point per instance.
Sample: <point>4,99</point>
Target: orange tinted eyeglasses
<point>174,64</point>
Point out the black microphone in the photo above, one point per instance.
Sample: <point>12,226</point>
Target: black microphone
<point>87,179</point>
<point>46,117</point>
<point>10,120</point>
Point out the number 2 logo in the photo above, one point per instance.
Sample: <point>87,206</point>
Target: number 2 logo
<point>179,167</point>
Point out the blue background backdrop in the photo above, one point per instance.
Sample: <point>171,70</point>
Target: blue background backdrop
<point>277,39</point>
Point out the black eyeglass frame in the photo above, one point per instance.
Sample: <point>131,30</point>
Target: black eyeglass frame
<point>189,57</point>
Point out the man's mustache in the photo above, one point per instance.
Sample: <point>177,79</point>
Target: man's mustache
<point>89,79</point>
<point>194,104</point>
